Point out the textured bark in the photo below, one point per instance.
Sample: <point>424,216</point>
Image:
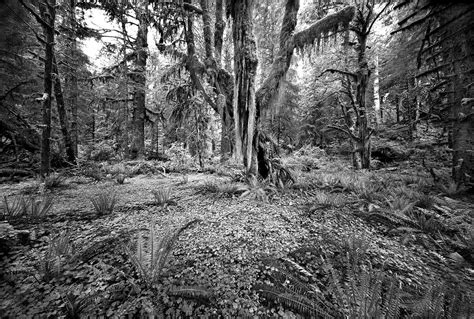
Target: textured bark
<point>138,144</point>
<point>63,122</point>
<point>219,32</point>
<point>206,19</point>
<point>361,152</point>
<point>245,69</point>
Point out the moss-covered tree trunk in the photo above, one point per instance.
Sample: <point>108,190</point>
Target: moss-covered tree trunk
<point>361,151</point>
<point>245,70</point>
<point>138,142</point>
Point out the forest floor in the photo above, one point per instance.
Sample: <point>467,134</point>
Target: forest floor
<point>237,245</point>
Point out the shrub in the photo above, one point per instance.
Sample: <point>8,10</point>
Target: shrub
<point>104,203</point>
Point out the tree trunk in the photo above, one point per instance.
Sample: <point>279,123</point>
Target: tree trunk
<point>71,79</point>
<point>362,151</point>
<point>58,91</point>
<point>48,14</point>
<point>138,146</point>
<point>463,113</point>
<point>377,93</point>
<point>245,68</point>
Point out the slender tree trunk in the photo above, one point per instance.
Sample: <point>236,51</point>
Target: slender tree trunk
<point>245,69</point>
<point>138,147</point>
<point>463,113</point>
<point>377,92</point>
<point>126,91</point>
<point>48,14</point>
<point>72,79</point>
<point>68,144</point>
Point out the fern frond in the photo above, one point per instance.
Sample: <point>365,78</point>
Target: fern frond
<point>297,302</point>
<point>192,292</point>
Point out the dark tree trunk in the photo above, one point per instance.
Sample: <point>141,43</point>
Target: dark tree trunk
<point>138,146</point>
<point>58,91</point>
<point>48,14</point>
<point>463,110</point>
<point>71,78</point>
<point>245,69</point>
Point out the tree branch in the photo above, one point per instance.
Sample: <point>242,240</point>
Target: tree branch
<point>352,75</point>
<point>329,23</point>
<point>337,128</point>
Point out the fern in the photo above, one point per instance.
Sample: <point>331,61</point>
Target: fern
<point>149,259</point>
<point>299,303</point>
<point>162,196</point>
<point>292,292</point>
<point>104,203</point>
<point>15,208</point>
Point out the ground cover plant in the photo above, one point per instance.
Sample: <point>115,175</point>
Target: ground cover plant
<point>313,250</point>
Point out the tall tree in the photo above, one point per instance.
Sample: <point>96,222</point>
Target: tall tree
<point>245,70</point>
<point>289,41</point>
<point>46,18</point>
<point>139,111</point>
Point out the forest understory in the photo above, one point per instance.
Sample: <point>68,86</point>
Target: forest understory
<point>236,159</point>
<point>332,244</point>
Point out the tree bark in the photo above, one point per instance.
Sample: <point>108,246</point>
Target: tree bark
<point>138,145</point>
<point>245,69</point>
<point>58,91</point>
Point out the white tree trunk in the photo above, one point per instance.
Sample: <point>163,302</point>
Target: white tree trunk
<point>378,120</point>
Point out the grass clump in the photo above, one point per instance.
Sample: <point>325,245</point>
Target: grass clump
<point>104,203</point>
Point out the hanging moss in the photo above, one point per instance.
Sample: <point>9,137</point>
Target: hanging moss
<point>321,29</point>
